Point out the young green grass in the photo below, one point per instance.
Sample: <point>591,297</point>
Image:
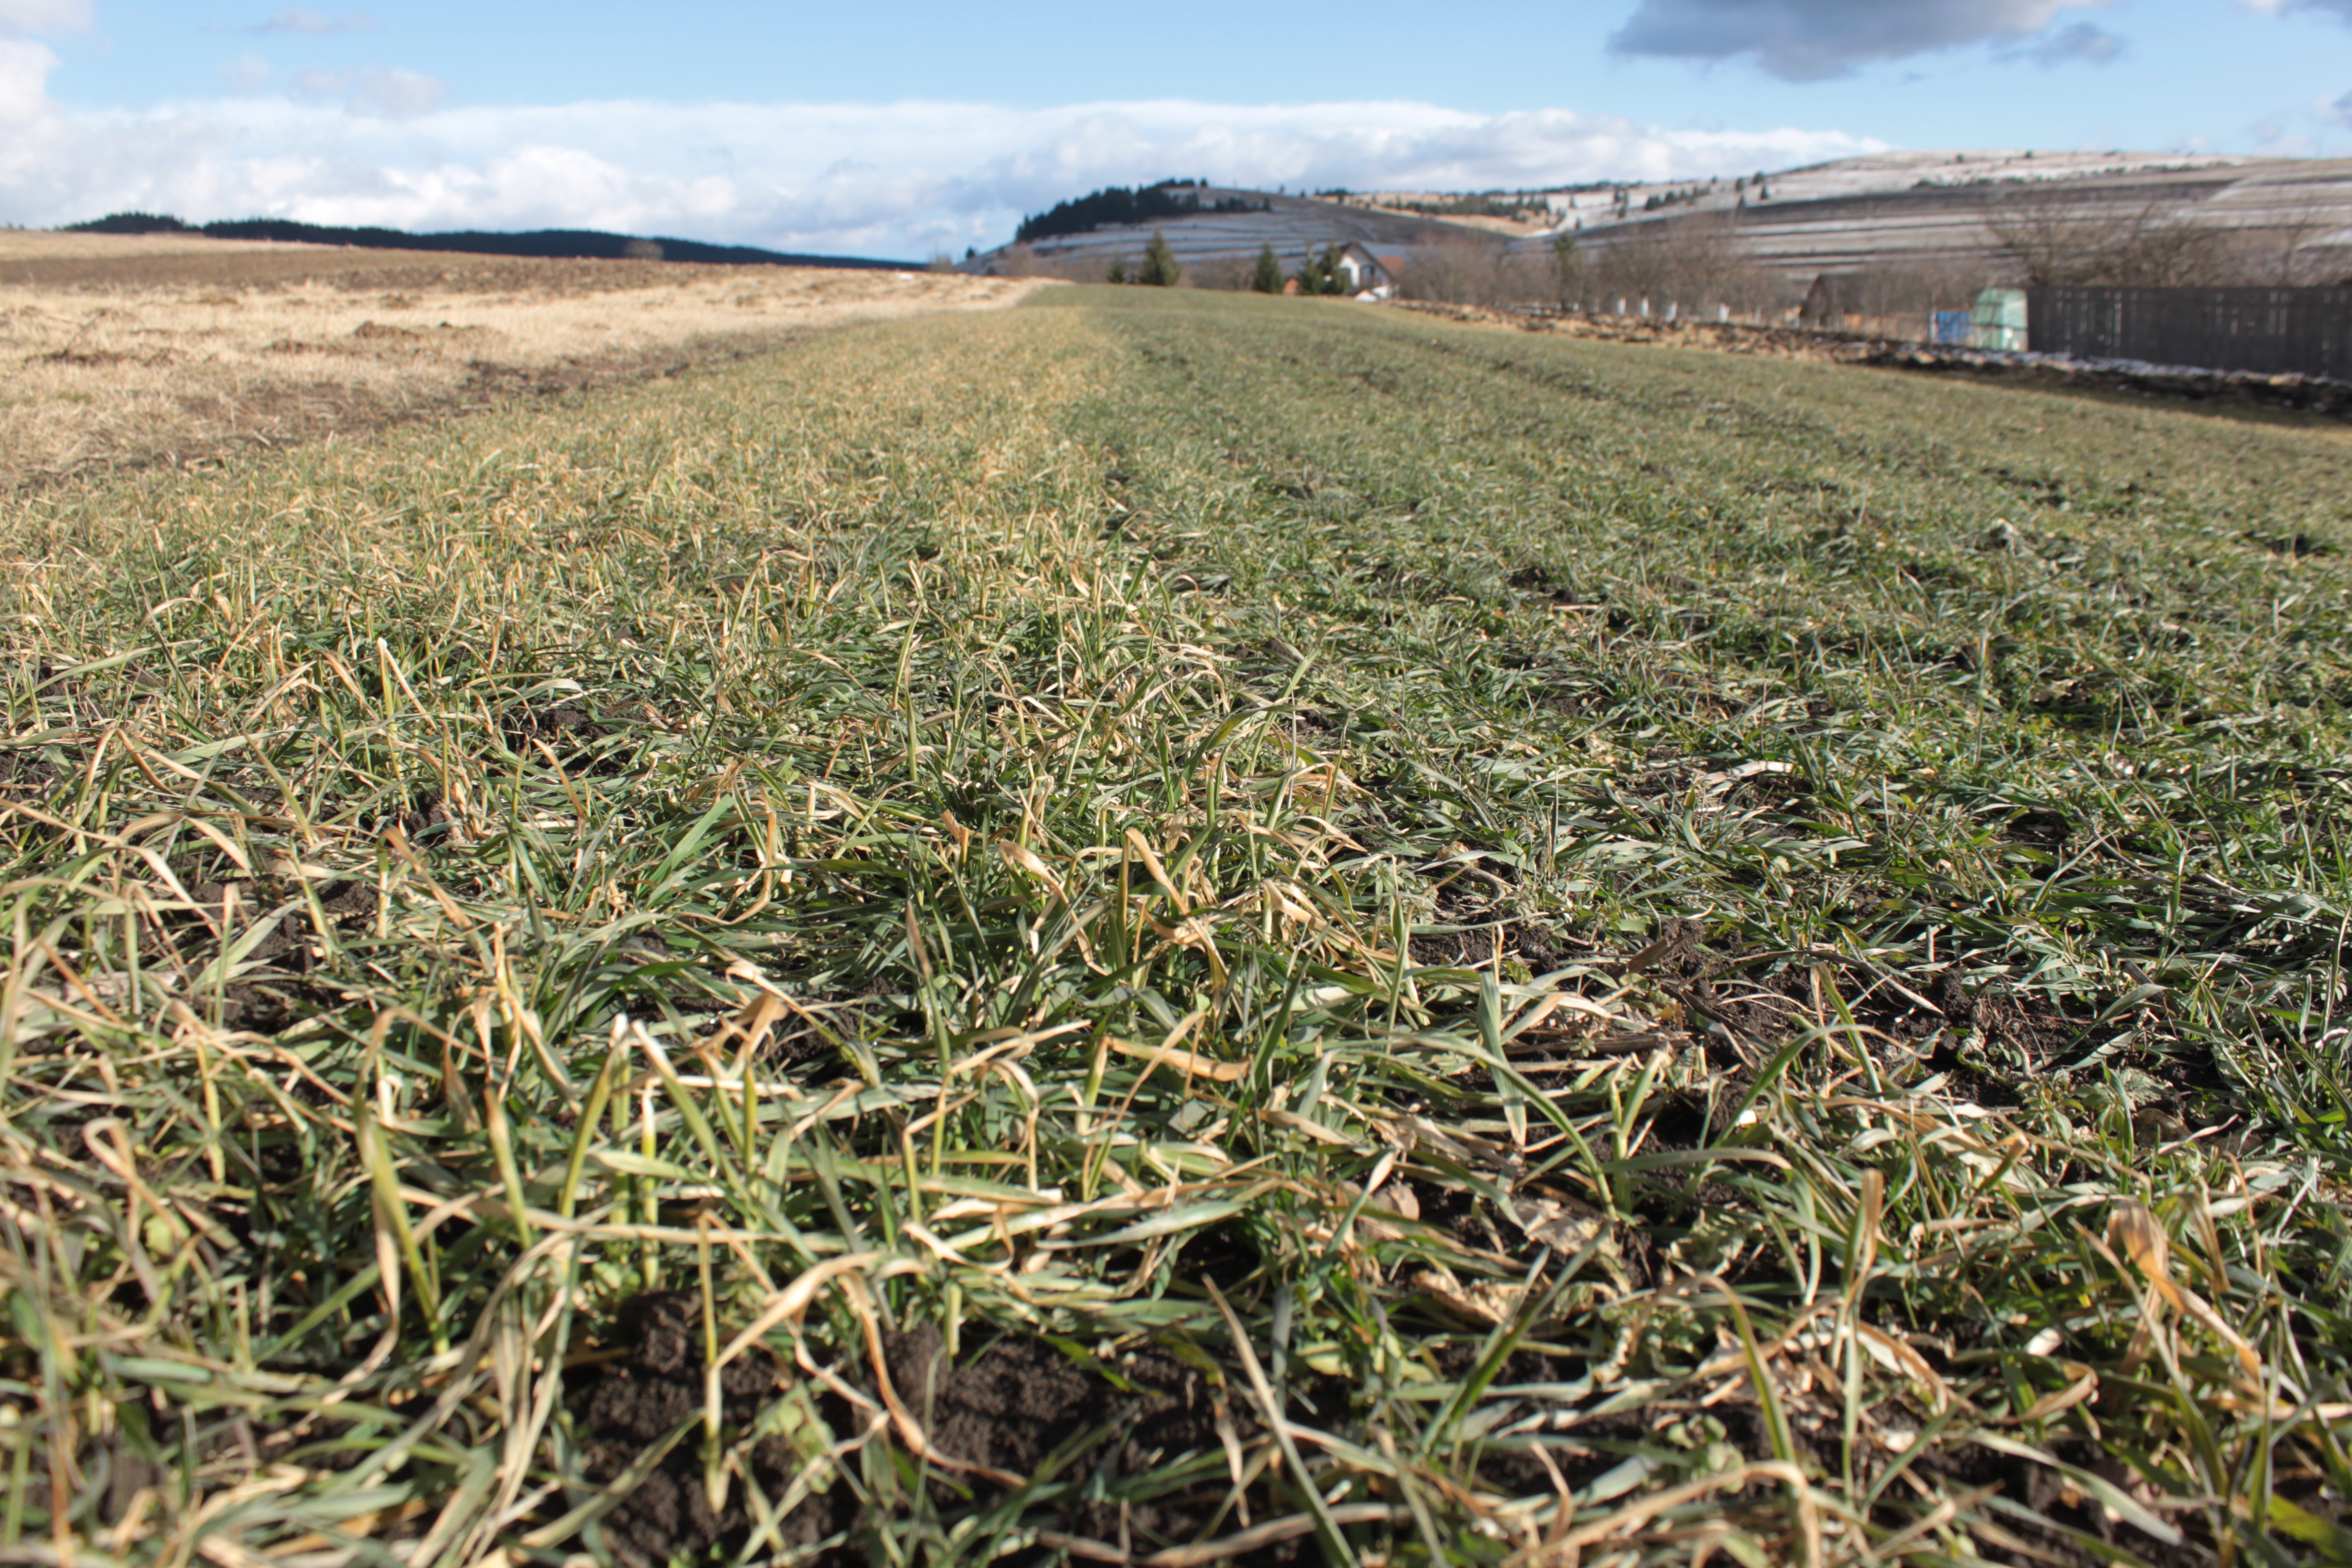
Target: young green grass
<point>1161,928</point>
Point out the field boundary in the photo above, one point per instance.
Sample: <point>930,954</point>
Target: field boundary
<point>2290,392</point>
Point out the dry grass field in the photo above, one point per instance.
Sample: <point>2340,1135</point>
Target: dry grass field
<point>22,248</point>
<point>124,350</point>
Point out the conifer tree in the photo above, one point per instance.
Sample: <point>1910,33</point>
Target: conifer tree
<point>1320,274</point>
<point>1268,279</point>
<point>1161,269</point>
<point>1118,273</point>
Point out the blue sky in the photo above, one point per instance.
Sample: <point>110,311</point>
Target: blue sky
<point>916,127</point>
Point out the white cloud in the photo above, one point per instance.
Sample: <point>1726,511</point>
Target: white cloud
<point>24,81</point>
<point>312,22</point>
<point>376,90</point>
<point>1807,40</point>
<point>42,17</point>
<point>890,180</point>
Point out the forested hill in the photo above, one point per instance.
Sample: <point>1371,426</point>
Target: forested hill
<point>1117,204</point>
<point>562,244</point>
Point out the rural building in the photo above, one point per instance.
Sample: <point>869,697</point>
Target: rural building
<point>1365,273</point>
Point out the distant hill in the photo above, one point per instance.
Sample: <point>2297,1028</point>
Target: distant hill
<point>552,244</point>
<point>1926,209</point>
<point>1213,223</point>
<point>1924,212</point>
<point>1116,206</point>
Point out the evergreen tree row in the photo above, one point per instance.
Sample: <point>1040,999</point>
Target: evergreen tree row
<point>1159,269</point>
<point>546,244</point>
<point>1116,206</point>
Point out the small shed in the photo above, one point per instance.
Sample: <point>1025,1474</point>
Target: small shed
<point>1999,320</point>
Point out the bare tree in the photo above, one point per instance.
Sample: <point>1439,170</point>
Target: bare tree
<point>1917,287</point>
<point>1220,272</point>
<point>1464,272</point>
<point>1693,261</point>
<point>2067,237</point>
<point>2289,237</point>
<point>2167,251</point>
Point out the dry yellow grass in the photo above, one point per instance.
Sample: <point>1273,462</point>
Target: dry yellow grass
<point>42,245</point>
<point>142,349</point>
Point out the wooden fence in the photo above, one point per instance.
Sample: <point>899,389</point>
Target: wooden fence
<point>2272,331</point>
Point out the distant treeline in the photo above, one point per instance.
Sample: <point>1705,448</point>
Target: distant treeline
<point>1478,206</point>
<point>554,244</point>
<point>1116,205</point>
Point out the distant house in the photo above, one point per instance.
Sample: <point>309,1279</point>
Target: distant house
<point>1365,273</point>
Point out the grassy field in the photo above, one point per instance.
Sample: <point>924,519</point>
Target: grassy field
<point>1169,929</point>
<point>129,351</point>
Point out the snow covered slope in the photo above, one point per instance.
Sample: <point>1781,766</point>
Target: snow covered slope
<point>1853,214</point>
<point>1894,207</point>
<point>1294,226</point>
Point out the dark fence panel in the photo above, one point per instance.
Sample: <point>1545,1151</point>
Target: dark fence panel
<point>2273,331</point>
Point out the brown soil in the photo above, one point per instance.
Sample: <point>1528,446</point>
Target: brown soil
<point>1022,1401</point>
<point>1020,1407</point>
<point>631,1404</point>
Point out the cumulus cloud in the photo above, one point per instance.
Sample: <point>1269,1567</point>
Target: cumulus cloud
<point>24,82</point>
<point>25,65</point>
<point>43,17</point>
<point>903,179</point>
<point>1807,40</point>
<point>376,90</point>
<point>312,22</point>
